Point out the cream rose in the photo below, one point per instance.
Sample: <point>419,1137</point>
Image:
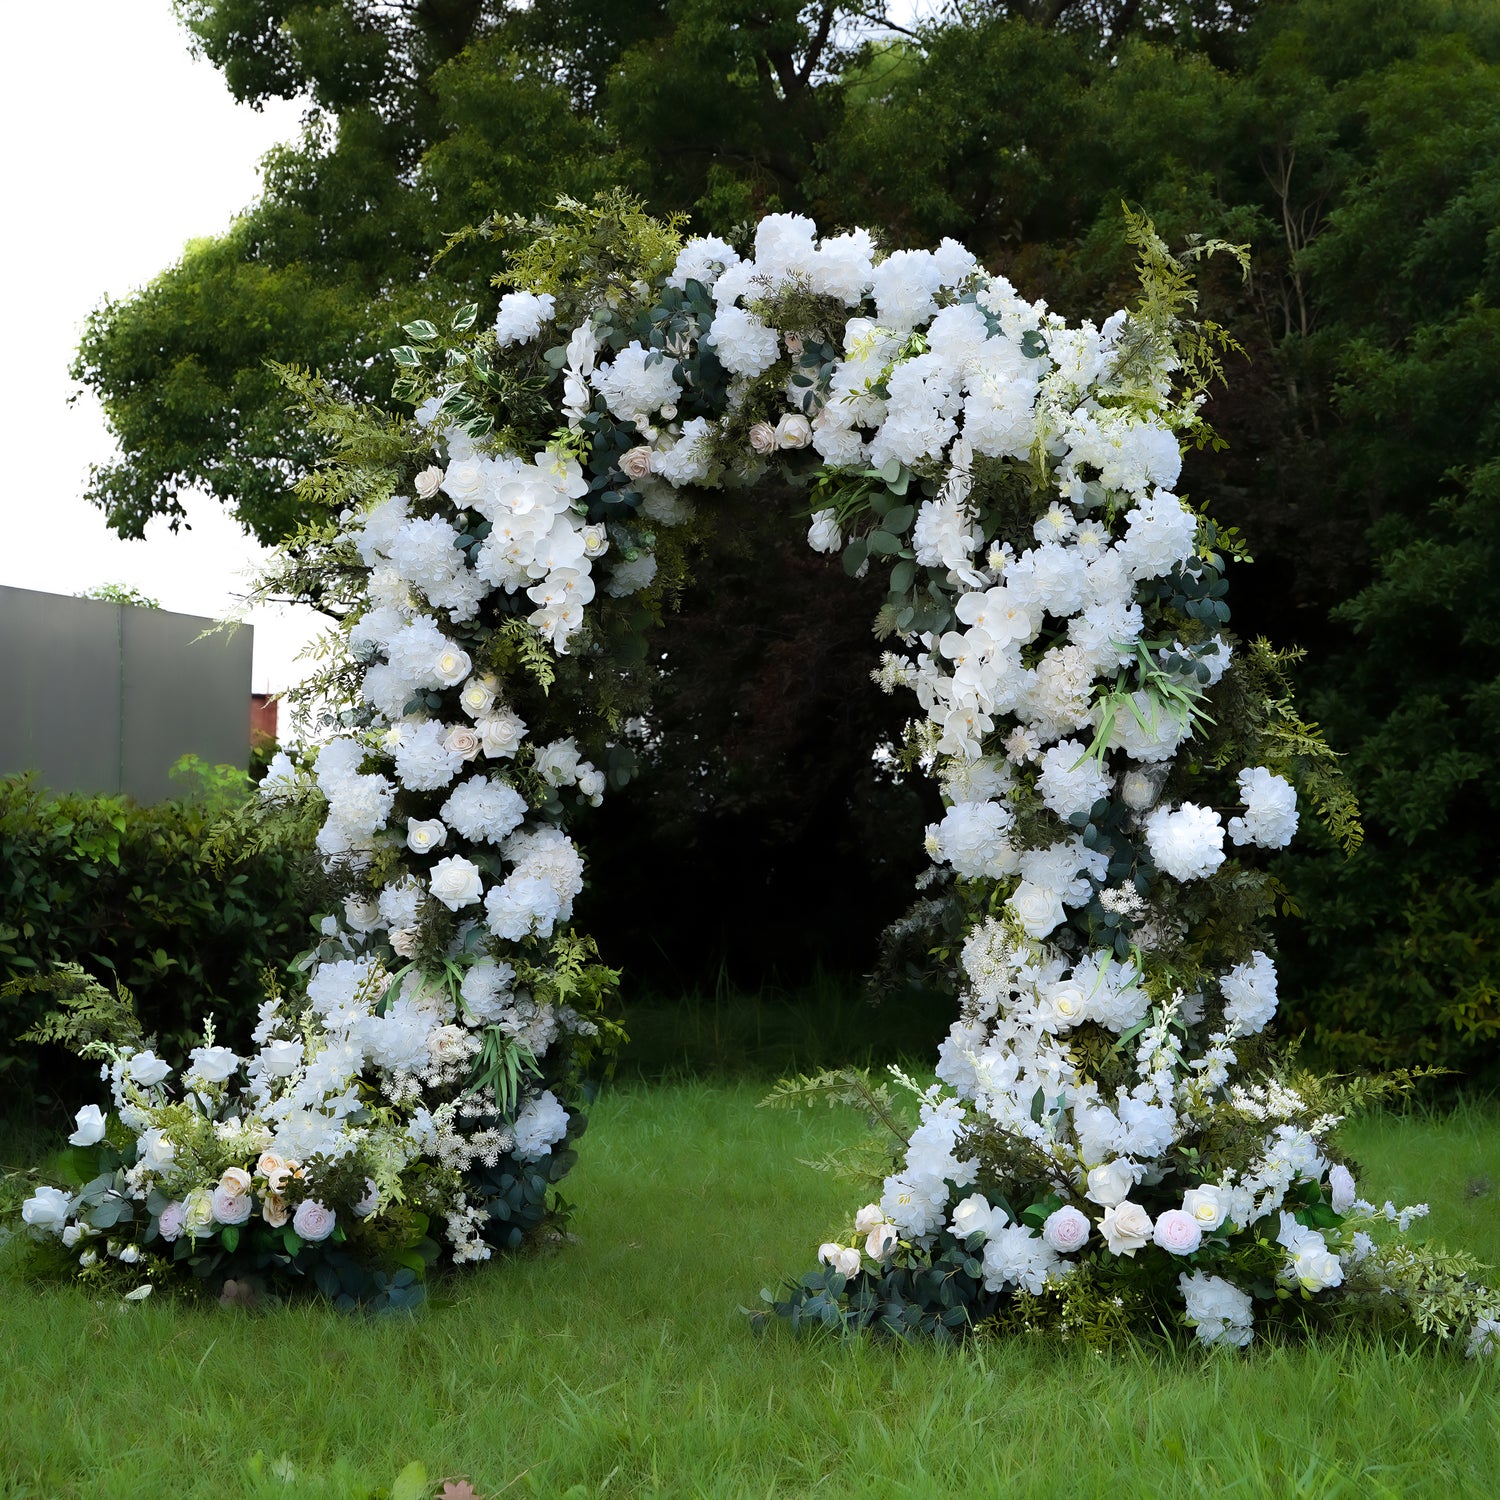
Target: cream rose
<point>638,462</point>
<point>595,540</point>
<point>1126,1227</point>
<point>429,482</point>
<point>456,882</point>
<point>476,699</point>
<point>236,1180</point>
<point>762,438</point>
<point>462,740</point>
<point>274,1210</point>
<point>793,431</point>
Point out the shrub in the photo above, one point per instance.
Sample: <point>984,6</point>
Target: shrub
<point>133,894</point>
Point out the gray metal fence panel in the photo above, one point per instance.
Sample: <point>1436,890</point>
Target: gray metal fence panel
<point>105,697</point>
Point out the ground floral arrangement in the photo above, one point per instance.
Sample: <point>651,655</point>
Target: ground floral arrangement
<point>1112,1147</point>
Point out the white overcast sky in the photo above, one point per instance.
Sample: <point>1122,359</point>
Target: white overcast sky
<point>121,148</point>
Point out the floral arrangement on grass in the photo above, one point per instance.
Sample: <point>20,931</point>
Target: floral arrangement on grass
<point>1109,755</point>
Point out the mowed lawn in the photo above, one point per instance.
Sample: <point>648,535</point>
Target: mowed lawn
<point>622,1363</point>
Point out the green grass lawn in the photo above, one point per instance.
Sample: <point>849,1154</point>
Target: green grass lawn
<point>620,1365</point>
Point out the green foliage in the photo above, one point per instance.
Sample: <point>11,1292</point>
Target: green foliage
<point>120,593</point>
<point>142,898</point>
<point>88,1015</point>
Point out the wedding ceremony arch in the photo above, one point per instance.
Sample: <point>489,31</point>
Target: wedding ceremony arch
<point>1111,1143</point>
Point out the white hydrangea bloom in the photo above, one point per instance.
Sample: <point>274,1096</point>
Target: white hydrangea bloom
<point>1270,809</point>
<point>1187,842</point>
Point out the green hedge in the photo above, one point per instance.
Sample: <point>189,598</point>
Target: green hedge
<point>130,893</point>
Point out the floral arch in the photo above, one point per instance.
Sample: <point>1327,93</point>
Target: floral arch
<point>1110,759</point>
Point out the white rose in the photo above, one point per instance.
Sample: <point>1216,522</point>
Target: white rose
<point>595,540</point>
<point>214,1064</point>
<point>429,481</point>
<point>361,914</point>
<point>90,1121</point>
<point>1126,1227</point>
<point>881,1241</point>
<point>1110,1183</point>
<point>762,438</point>
<point>371,1200</point>
<point>868,1218</point>
<point>557,763</point>
<point>155,1150</point>
<point>1177,1232</point>
<point>312,1221</point>
<point>48,1208</point>
<point>146,1069</point>
<point>72,1234</point>
<point>793,431</point>
<point>197,1213</point>
<point>405,941</point>
<point>476,699</point>
<point>1066,1229</point>
<point>1316,1267</point>
<point>425,835</point>
<point>1037,909</point>
<point>591,785</point>
<point>456,882</point>
<point>501,734</point>
<point>465,479</point>
<point>462,740</point>
<point>971,1216</point>
<point>1341,1189</point>
<point>280,1059</point>
<point>1208,1205</point>
<point>844,1259</point>
<point>231,1208</point>
<point>824,534</point>
<point>452,667</point>
<point>638,462</point>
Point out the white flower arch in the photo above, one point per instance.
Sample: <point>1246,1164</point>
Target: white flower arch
<point>1056,612</point>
